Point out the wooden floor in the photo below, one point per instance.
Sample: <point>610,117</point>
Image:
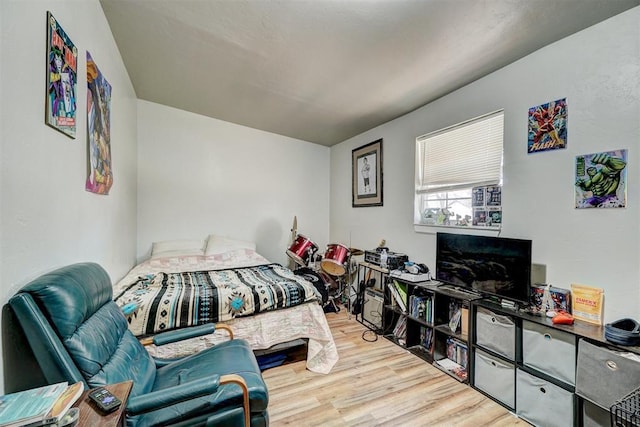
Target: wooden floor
<point>375,384</point>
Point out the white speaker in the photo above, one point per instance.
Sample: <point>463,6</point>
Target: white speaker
<point>538,274</point>
<point>372,308</point>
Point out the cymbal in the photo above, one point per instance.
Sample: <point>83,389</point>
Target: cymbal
<point>356,252</point>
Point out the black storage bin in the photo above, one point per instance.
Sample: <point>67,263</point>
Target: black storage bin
<point>626,411</point>
<point>604,375</point>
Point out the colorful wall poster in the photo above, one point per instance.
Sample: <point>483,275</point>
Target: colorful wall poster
<point>548,126</point>
<point>601,180</point>
<point>62,66</point>
<point>100,175</point>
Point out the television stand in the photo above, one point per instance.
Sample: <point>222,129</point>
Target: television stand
<point>461,292</point>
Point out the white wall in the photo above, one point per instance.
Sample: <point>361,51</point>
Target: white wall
<point>47,219</point>
<point>598,71</point>
<point>199,175</point>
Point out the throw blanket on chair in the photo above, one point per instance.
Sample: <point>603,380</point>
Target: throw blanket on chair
<point>164,301</point>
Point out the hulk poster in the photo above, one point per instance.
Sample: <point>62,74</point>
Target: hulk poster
<point>601,180</point>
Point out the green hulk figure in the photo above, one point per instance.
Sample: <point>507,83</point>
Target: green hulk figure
<point>602,182</point>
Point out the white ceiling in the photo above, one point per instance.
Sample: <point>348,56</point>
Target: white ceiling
<point>326,70</point>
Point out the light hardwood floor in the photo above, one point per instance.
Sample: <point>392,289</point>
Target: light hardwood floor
<point>375,384</point>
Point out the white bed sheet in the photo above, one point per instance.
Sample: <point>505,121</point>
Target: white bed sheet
<point>262,331</point>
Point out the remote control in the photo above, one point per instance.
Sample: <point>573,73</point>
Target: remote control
<point>104,400</point>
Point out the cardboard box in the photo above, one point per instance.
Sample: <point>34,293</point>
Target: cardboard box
<point>464,330</point>
<point>588,303</point>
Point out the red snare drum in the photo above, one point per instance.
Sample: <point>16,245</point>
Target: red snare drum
<point>301,249</point>
<point>335,259</point>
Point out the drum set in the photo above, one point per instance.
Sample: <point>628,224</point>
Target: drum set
<point>336,266</point>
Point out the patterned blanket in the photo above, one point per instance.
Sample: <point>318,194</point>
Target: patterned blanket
<point>163,301</point>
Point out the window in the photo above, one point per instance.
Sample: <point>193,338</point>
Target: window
<point>459,174</point>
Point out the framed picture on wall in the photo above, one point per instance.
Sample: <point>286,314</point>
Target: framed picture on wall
<point>366,175</point>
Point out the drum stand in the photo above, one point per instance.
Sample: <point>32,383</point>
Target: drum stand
<point>337,294</point>
<point>345,290</point>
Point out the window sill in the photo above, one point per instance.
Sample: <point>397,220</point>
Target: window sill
<point>457,229</point>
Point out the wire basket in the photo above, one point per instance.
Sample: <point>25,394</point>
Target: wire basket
<point>626,411</point>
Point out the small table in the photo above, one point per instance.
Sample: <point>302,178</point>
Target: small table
<point>91,416</point>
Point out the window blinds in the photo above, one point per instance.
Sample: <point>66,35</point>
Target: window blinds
<point>461,156</point>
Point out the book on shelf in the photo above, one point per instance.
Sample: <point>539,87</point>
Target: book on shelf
<point>30,406</point>
<point>402,290</point>
<point>426,338</point>
<point>452,367</point>
<point>454,322</point>
<point>457,351</point>
<point>401,327</point>
<point>400,299</point>
<point>455,315</point>
<point>416,306</point>
<point>397,297</point>
<point>421,307</point>
<point>400,330</point>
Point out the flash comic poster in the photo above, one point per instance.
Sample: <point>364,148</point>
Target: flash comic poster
<point>601,180</point>
<point>548,126</point>
<point>100,175</point>
<point>62,67</point>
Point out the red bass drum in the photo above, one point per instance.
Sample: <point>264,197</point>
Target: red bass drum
<point>301,250</point>
<point>335,259</point>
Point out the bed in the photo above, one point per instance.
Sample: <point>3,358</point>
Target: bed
<point>220,279</point>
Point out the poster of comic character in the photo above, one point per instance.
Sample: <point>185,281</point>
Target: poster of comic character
<point>62,65</point>
<point>601,180</point>
<point>479,217</point>
<point>494,195</point>
<point>477,197</point>
<point>548,126</point>
<point>494,217</point>
<point>100,175</point>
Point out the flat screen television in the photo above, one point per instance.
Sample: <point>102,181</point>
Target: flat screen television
<point>494,266</point>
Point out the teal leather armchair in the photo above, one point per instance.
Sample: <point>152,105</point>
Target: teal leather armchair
<point>77,333</point>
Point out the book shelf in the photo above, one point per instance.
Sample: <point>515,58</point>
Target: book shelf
<point>418,316</point>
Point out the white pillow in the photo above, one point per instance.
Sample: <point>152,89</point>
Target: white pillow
<point>170,248</point>
<point>221,244</point>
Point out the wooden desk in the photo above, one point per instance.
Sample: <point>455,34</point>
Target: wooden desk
<point>90,415</point>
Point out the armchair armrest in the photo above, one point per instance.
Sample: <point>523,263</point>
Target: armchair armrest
<point>201,387</point>
<point>186,333</point>
<point>170,396</point>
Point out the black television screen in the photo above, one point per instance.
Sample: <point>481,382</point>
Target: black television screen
<point>489,265</point>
